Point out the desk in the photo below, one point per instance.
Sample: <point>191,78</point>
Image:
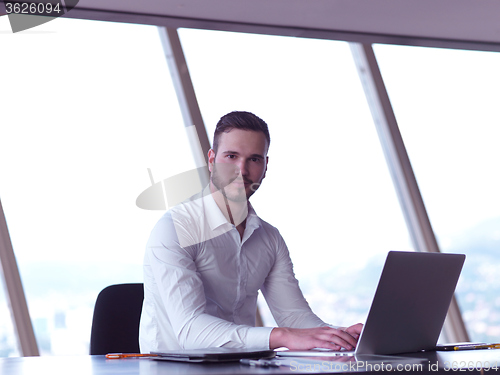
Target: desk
<point>433,363</point>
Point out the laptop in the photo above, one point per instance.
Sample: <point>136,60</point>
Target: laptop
<point>409,307</point>
<point>212,355</point>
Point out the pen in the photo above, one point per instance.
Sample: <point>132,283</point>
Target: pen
<point>128,355</point>
<point>261,362</point>
<point>477,346</point>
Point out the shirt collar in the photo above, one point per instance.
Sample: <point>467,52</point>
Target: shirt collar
<point>216,218</point>
<point>253,221</point>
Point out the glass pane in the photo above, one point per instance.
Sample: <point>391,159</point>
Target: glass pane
<point>80,127</point>
<point>446,104</point>
<point>327,188</point>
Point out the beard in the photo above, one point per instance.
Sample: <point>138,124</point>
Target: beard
<point>223,176</point>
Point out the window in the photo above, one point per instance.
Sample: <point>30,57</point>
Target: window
<point>327,189</point>
<point>8,343</point>
<point>89,106</point>
<point>446,104</point>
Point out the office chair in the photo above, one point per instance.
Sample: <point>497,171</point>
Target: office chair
<point>115,325</point>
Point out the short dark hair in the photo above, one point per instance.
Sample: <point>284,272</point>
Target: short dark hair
<point>240,120</point>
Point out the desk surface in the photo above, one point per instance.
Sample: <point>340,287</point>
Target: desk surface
<point>431,363</point>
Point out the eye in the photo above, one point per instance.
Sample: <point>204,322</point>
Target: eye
<point>230,156</point>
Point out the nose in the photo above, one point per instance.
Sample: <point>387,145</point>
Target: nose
<point>242,165</point>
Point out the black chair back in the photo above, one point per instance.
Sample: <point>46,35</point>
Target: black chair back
<point>115,325</point>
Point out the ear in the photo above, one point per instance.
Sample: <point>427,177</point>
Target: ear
<point>211,159</point>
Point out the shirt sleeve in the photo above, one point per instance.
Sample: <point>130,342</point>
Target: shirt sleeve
<point>181,290</point>
<point>283,295</point>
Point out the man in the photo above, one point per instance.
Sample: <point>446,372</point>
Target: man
<point>207,258</point>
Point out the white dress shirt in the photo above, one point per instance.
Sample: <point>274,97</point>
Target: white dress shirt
<point>201,281</point>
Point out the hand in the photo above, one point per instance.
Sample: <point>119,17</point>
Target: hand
<point>354,330</point>
<point>309,338</point>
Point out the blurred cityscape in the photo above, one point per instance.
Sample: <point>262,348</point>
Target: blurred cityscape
<point>61,296</point>
<point>343,295</point>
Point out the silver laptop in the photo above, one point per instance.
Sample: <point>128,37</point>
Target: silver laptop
<point>409,307</point>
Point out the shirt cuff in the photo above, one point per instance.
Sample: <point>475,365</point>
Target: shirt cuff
<point>258,337</point>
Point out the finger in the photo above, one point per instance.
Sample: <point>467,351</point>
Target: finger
<point>345,336</point>
<point>341,342</point>
<point>354,329</point>
<point>337,336</point>
<point>353,334</point>
<point>325,344</point>
<point>337,340</point>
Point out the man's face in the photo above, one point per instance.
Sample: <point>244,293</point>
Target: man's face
<point>240,164</point>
